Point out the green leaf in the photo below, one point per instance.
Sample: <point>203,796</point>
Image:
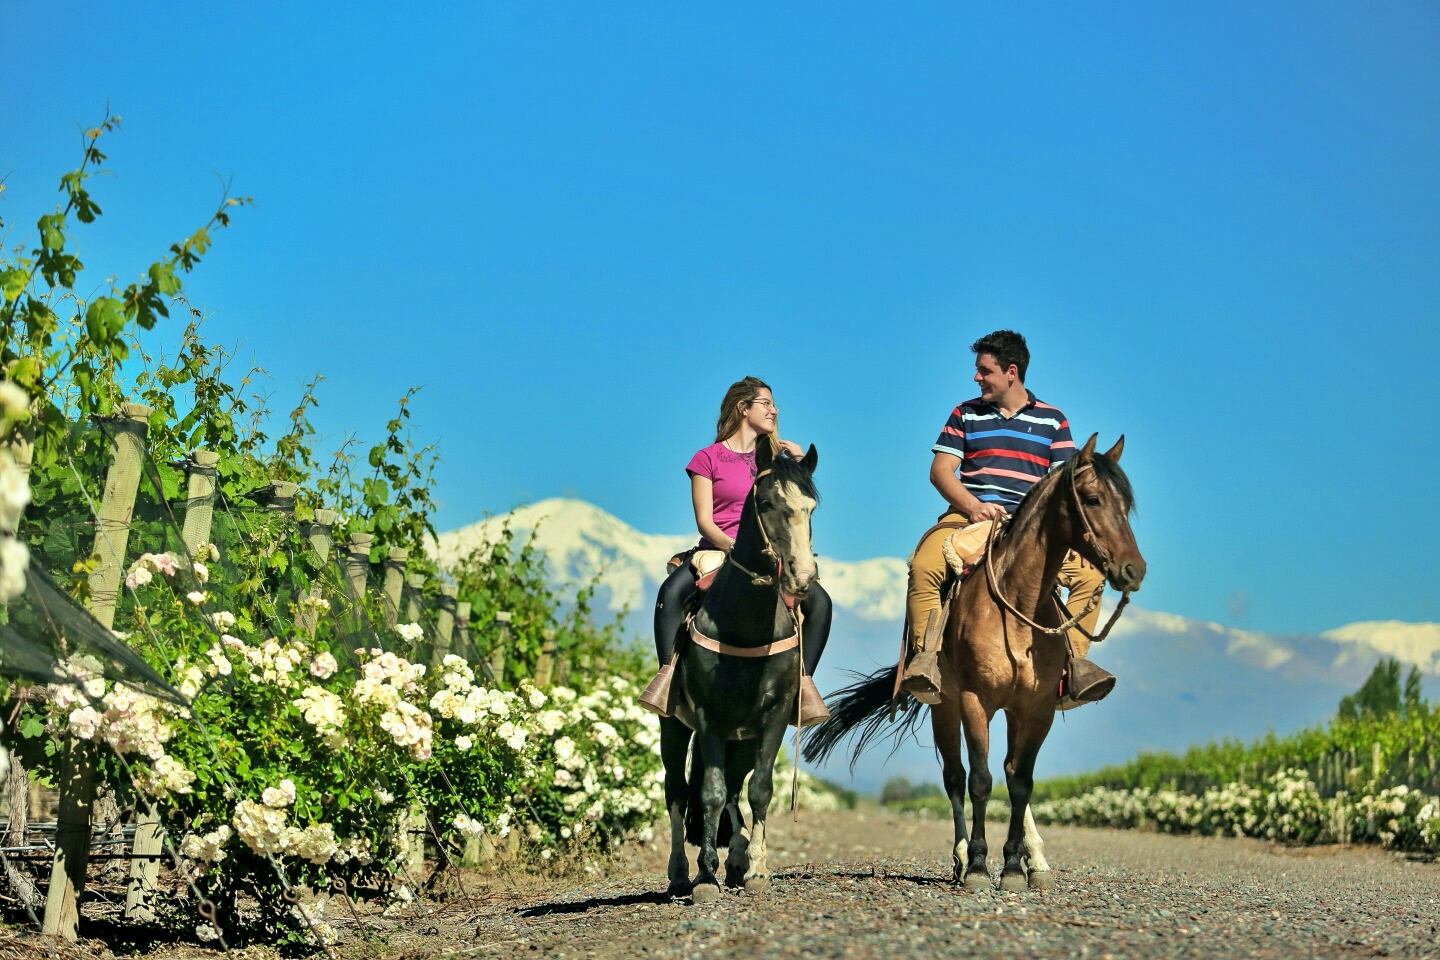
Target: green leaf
<point>163,276</point>
<point>13,282</point>
<point>52,232</point>
<point>31,727</point>
<point>104,319</point>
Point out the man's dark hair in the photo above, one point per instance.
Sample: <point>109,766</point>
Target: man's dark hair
<point>1007,347</point>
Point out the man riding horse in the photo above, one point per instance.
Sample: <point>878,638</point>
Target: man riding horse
<point>989,454</point>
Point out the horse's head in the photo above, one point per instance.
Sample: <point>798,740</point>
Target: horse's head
<point>1102,500</point>
<point>785,496</point>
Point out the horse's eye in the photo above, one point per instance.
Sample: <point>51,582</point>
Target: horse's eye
<point>1092,501</point>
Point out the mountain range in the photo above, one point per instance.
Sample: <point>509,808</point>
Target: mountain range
<point>1182,681</point>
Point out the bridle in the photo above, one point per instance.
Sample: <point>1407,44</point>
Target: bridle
<point>1092,541</point>
<point>760,579</point>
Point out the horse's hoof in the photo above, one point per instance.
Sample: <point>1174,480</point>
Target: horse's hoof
<point>757,885</point>
<point>1012,883</point>
<point>1042,881</point>
<point>705,893</point>
<point>679,888</point>
<point>977,880</point>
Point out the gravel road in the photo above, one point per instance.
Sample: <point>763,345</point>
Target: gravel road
<point>867,884</point>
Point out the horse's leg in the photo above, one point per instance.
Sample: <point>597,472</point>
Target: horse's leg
<point>1040,876</point>
<point>739,761</point>
<point>674,744</point>
<point>945,728</point>
<point>712,797</point>
<point>762,786</point>
<point>977,740</point>
<point>1030,732</point>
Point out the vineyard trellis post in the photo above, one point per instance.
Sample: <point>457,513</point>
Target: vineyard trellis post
<point>77,769</point>
<point>320,534</point>
<point>444,624</point>
<point>394,585</point>
<point>502,643</point>
<point>357,573</point>
<point>416,583</point>
<point>546,663</point>
<point>462,627</point>
<point>149,840</point>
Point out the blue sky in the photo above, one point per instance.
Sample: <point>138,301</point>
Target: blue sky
<point>575,225</point>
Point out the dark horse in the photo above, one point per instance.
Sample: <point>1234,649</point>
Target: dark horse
<point>737,704</point>
<point>1004,650</point>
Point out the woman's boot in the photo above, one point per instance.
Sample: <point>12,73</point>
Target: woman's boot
<point>656,697</point>
<point>812,705</point>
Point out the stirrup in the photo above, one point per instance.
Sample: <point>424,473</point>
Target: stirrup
<point>656,697</point>
<point>812,705</point>
<point>1085,682</point>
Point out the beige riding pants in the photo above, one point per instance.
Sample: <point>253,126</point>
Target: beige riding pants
<point>928,573</point>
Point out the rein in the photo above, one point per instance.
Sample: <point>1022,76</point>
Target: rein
<point>993,582</point>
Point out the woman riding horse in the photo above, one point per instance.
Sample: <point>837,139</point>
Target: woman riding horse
<point>721,476</point>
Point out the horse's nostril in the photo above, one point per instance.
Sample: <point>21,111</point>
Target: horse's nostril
<point>1133,573</point>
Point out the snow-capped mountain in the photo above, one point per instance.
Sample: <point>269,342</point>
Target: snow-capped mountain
<point>1181,680</point>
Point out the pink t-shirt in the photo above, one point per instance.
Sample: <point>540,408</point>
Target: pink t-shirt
<point>731,475</point>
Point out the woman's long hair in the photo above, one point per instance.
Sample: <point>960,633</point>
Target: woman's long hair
<point>742,392</point>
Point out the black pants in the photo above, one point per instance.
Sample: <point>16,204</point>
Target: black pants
<point>677,589</point>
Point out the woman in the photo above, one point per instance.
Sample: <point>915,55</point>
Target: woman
<point>721,476</point>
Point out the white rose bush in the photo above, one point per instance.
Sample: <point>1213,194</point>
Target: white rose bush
<point>296,760</point>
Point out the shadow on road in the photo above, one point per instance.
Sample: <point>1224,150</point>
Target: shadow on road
<point>594,903</point>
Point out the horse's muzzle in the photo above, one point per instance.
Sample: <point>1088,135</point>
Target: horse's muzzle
<point>1127,575</point>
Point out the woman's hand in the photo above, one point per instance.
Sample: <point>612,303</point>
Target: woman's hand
<point>794,449</point>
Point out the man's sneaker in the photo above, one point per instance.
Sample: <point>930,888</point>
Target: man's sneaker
<point>922,677</point>
<point>1085,683</point>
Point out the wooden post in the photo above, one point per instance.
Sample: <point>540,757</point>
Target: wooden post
<point>357,573</point>
<point>416,583</point>
<point>141,893</point>
<point>77,768</point>
<point>462,630</point>
<point>394,588</point>
<point>1375,762</point>
<point>444,624</point>
<point>199,499</point>
<point>282,496</point>
<point>322,541</point>
<point>502,643</point>
<point>546,664</point>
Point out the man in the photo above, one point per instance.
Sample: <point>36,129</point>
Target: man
<point>989,454</point>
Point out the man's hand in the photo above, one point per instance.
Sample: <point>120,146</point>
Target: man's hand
<point>985,511</point>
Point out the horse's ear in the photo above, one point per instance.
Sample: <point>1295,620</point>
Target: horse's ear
<point>811,459</point>
<point>764,455</point>
<point>1114,452</point>
<point>1087,452</point>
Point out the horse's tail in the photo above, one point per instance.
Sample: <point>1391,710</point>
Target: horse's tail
<point>864,706</point>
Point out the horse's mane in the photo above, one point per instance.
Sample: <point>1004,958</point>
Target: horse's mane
<point>1106,469</point>
<point>786,469</point>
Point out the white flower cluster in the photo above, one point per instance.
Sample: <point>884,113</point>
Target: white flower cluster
<point>604,762</point>
<point>386,680</point>
<point>1286,806</point>
<point>143,570</point>
<point>130,722</point>
<point>325,712</point>
<point>206,848</point>
<point>480,710</point>
<point>264,828</point>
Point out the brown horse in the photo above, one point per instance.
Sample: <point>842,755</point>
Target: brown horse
<point>1003,651</point>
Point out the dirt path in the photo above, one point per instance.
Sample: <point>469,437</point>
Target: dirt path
<point>866,884</point>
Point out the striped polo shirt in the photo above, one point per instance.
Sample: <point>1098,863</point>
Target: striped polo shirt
<point>1000,458</point>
